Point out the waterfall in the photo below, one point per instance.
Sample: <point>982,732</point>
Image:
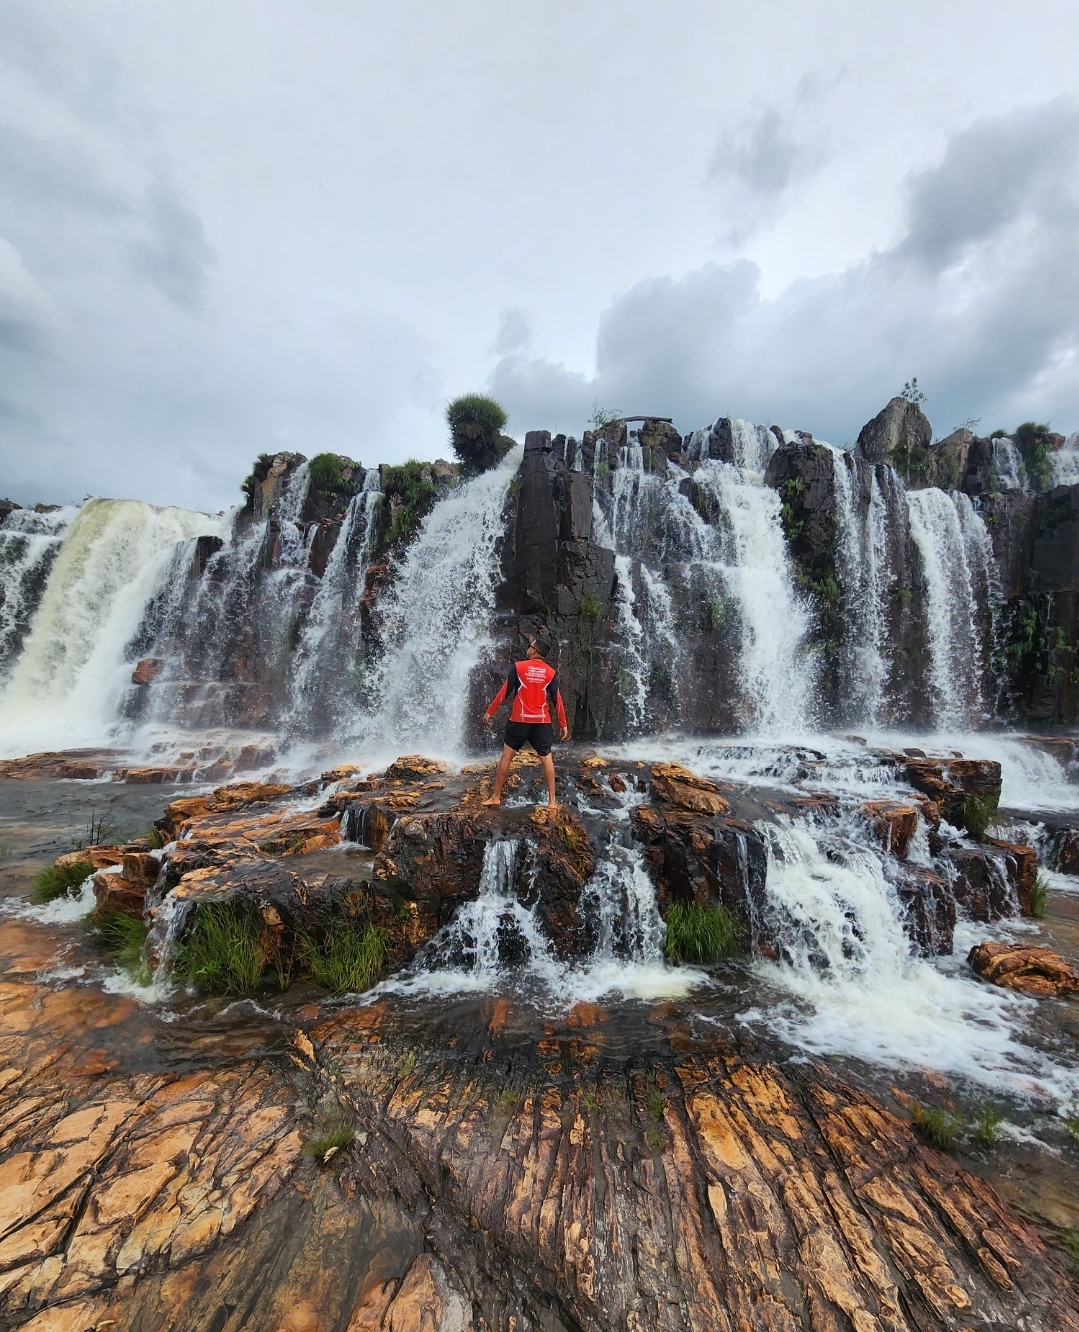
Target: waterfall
<point>1064,463</point>
<point>734,563</point>
<point>433,622</point>
<point>29,545</point>
<point>66,686</point>
<point>955,553</point>
<point>328,654</point>
<point>856,989</point>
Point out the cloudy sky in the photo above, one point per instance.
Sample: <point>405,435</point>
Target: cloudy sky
<point>232,228</point>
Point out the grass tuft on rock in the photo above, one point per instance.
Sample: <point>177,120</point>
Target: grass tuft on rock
<point>986,1123</point>
<point>60,881</point>
<point>224,951</point>
<point>1038,896</point>
<point>122,935</point>
<point>936,1127</point>
<point>977,815</point>
<point>335,1138</point>
<point>349,959</point>
<point>698,933</point>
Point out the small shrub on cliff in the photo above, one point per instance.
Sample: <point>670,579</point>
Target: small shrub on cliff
<point>1032,441</point>
<point>1038,896</point>
<point>937,1127</point>
<point>409,491</point>
<point>698,933</point>
<point>349,959</point>
<point>977,815</point>
<point>60,881</point>
<point>589,608</point>
<point>326,475</point>
<point>224,951</point>
<point>475,423</point>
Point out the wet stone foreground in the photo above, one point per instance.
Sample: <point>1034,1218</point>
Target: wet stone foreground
<point>602,1167</point>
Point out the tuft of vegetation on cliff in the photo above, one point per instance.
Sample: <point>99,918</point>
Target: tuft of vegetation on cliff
<point>409,492</point>
<point>1034,442</point>
<point>328,474</point>
<point>476,424</point>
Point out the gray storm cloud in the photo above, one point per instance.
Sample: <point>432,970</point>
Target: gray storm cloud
<point>979,297</point>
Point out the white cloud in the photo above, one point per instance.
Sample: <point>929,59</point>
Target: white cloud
<point>979,298</point>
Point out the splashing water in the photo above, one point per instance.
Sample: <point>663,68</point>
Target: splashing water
<point>434,621</point>
<point>66,687</point>
<point>857,989</point>
<point>29,545</point>
<point>946,541</point>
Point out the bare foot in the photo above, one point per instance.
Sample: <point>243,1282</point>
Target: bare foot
<point>553,804</point>
<point>492,803</point>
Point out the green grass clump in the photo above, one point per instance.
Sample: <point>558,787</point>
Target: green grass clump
<point>475,423</point>
<point>1069,1242</point>
<point>350,958</point>
<point>1038,896</point>
<point>589,608</point>
<point>986,1122</point>
<point>977,815</point>
<point>122,935</point>
<point>698,933</point>
<point>224,951</point>
<point>1071,1123</point>
<point>937,1127</point>
<point>60,881</point>
<point>335,1137</point>
<point>409,491</point>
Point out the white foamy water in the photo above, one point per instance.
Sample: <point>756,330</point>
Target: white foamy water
<point>497,940</point>
<point>66,687</point>
<point>29,545</point>
<point>434,621</point>
<point>857,990</point>
<point>955,649</point>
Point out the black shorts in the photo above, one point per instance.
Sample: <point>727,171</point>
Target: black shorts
<point>540,735</point>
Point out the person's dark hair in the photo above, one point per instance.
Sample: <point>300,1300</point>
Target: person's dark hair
<point>542,645</point>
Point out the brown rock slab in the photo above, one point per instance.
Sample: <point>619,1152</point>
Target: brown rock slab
<point>414,768</point>
<point>1028,969</point>
<point>893,825</point>
<point>147,670</point>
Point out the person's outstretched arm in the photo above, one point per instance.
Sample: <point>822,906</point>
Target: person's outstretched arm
<point>507,691</point>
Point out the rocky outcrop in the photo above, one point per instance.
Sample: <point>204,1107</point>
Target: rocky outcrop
<point>899,436</point>
<point>541,1185</point>
<point>1028,969</point>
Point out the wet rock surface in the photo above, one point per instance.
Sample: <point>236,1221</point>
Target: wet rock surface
<point>493,1180</point>
<point>1026,968</point>
<point>597,1167</point>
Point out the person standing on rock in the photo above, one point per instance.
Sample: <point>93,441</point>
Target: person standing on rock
<point>531,687</point>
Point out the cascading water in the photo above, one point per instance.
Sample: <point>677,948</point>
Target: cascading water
<point>67,685</point>
<point>735,566</point>
<point>29,545</point>
<point>434,621</point>
<point>956,558</point>
<point>846,964</point>
<point>328,655</point>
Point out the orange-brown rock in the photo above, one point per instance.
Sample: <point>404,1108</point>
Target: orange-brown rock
<point>414,768</point>
<point>948,782</point>
<point>893,825</point>
<point>64,765</point>
<point>113,892</point>
<point>680,787</point>
<point>98,856</point>
<point>1024,967</point>
<point>147,670</point>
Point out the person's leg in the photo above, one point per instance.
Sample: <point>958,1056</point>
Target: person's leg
<point>548,772</point>
<point>500,776</point>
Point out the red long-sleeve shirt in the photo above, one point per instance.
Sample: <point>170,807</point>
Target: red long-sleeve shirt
<point>532,687</point>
